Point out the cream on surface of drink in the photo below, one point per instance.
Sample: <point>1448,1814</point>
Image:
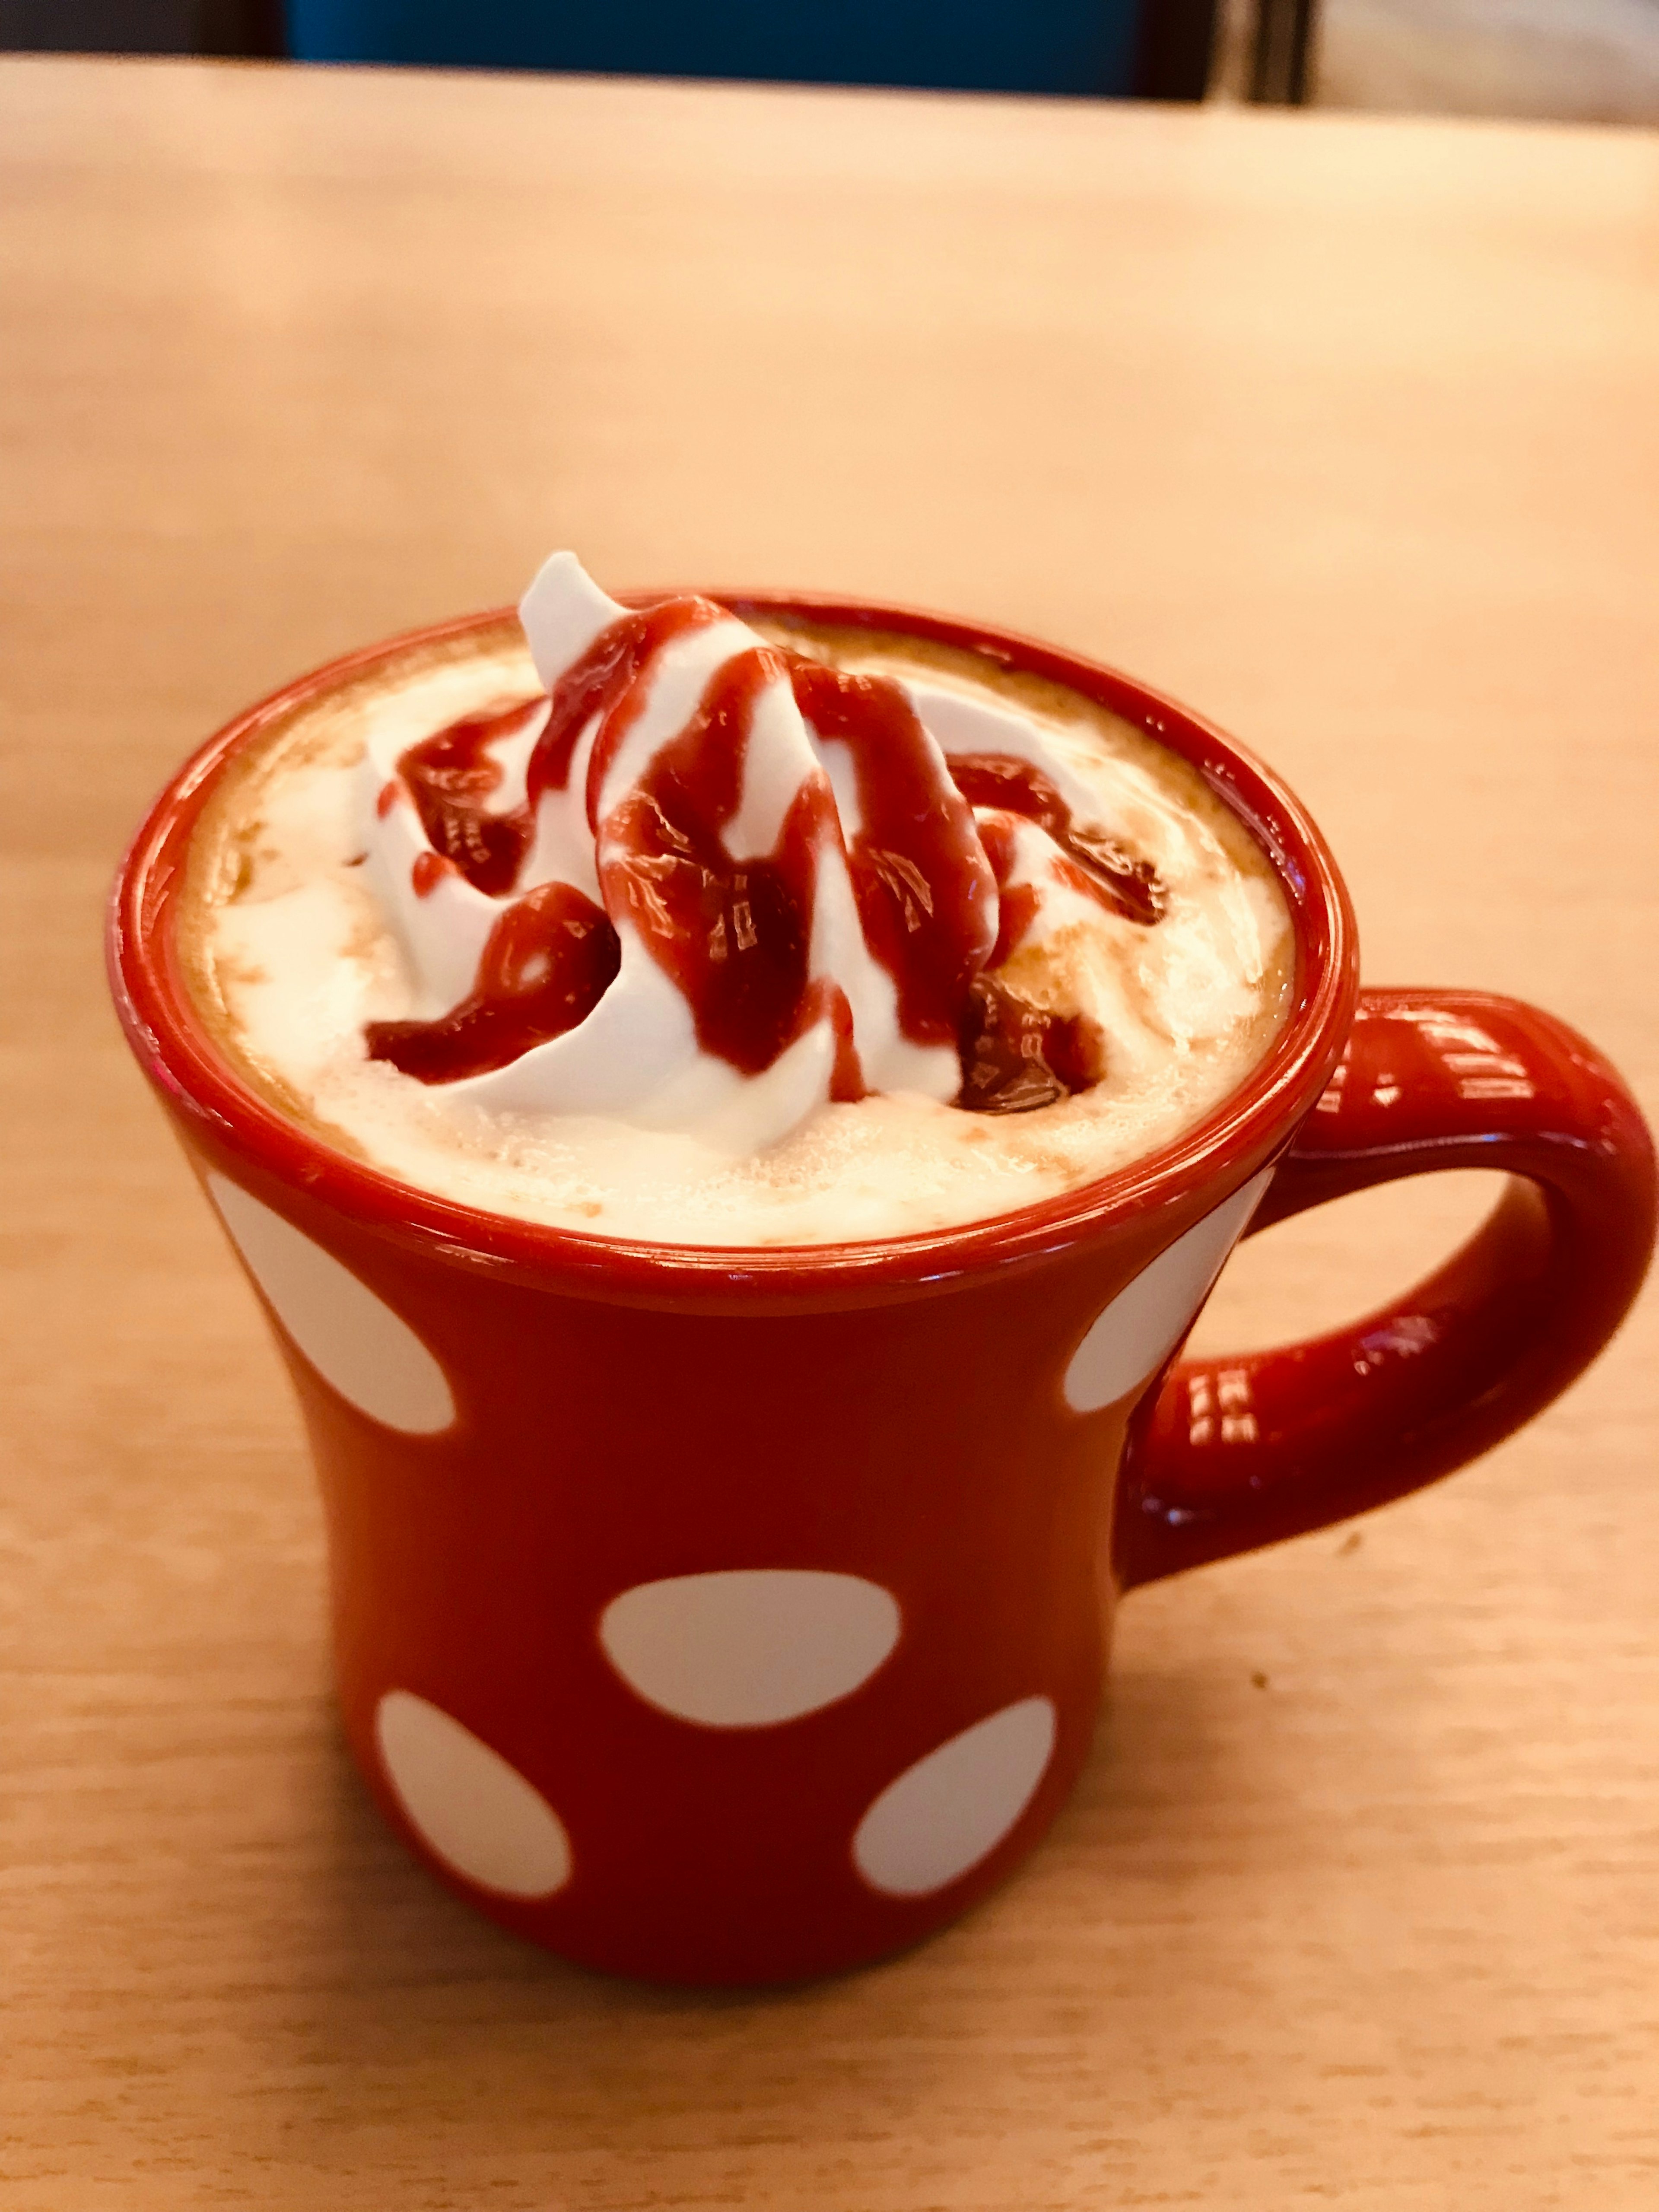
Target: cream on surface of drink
<point>678,929</point>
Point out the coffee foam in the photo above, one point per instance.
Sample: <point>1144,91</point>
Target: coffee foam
<point>289,955</point>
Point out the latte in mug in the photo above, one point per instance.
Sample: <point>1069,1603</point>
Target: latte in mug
<point>656,924</point>
<point>717,1596</point>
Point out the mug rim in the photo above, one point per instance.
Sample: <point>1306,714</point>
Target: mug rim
<point>171,1041</point>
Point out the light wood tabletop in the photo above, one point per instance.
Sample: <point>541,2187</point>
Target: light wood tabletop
<point>1344,430</point>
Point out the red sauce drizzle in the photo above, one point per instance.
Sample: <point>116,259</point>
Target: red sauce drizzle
<point>449,776</point>
<point>1105,868</point>
<point>602,681</point>
<point>1017,904</point>
<point>1014,1057</point>
<point>547,963</point>
<point>735,936</point>
<point>926,896</point>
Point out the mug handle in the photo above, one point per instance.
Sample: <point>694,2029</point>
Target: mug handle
<point>1233,1454</point>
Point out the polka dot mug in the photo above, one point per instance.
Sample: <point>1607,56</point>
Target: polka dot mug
<point>739,1616</point>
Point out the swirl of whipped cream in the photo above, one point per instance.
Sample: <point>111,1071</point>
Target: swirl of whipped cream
<point>707,885</point>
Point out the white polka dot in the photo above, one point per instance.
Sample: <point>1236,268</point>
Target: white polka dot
<point>947,1811</point>
<point>477,1814</point>
<point>750,1646</point>
<point>1137,1332</point>
<point>352,1339</point>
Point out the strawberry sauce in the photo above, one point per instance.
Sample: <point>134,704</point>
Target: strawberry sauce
<point>450,776</point>
<point>930,886</point>
<point>1108,870</point>
<point>546,965</point>
<point>734,935</point>
<point>925,896</point>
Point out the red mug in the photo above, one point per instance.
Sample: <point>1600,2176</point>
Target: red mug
<point>739,1616</point>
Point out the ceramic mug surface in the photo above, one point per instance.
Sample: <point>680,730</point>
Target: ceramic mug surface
<point>725,1616</point>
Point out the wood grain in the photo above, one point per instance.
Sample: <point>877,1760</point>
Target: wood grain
<point>1344,430</point>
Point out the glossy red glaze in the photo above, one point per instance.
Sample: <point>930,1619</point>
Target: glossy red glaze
<point>546,964</point>
<point>450,778</point>
<point>926,896</point>
<point>735,935</point>
<point>894,1411</point>
<point>1101,868</point>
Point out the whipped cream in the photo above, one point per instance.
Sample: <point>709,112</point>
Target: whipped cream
<point>611,783</point>
<point>727,937</point>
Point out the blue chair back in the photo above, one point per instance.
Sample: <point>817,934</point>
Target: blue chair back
<point>1085,46</point>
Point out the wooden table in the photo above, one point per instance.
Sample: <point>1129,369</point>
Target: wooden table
<point>1344,430</point>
